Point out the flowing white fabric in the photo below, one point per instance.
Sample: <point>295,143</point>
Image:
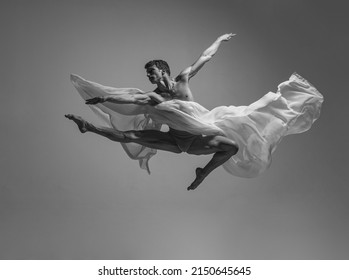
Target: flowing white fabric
<point>121,117</point>
<point>257,128</point>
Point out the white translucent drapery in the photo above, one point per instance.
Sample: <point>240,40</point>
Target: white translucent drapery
<point>257,128</point>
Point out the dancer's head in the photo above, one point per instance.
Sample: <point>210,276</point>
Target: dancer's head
<point>156,69</point>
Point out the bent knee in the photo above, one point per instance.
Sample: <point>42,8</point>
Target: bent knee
<point>229,147</point>
<point>224,144</point>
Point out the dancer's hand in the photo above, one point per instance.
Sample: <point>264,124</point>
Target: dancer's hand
<point>95,100</point>
<point>226,37</point>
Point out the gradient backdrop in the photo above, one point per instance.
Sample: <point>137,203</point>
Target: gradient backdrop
<point>64,195</point>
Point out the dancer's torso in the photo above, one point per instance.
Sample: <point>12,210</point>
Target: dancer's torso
<point>180,90</point>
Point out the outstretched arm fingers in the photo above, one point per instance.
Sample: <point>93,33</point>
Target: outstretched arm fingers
<point>205,56</point>
<point>226,37</point>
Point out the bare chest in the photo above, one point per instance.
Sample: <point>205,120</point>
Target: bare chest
<point>180,91</point>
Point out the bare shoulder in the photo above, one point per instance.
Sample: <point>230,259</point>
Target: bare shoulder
<point>184,75</point>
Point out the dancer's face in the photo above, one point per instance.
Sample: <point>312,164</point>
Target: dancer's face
<point>154,74</point>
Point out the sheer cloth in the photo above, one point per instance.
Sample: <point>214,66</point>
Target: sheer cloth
<point>257,129</point>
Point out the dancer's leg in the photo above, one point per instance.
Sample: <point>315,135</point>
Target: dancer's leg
<point>224,148</point>
<point>149,138</point>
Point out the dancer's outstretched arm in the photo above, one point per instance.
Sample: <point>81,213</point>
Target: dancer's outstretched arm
<point>205,57</point>
<point>148,98</point>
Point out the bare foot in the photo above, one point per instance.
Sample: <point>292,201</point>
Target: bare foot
<point>199,178</point>
<point>82,124</point>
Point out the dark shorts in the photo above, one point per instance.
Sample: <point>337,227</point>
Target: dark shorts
<point>183,139</point>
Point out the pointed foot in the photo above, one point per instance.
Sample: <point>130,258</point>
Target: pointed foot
<point>199,178</point>
<point>81,123</point>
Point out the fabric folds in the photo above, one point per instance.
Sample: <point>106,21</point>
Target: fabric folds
<point>257,129</point>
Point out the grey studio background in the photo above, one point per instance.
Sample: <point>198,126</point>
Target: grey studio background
<point>64,195</point>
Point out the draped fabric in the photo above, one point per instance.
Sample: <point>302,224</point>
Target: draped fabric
<point>257,129</point>
<point>120,116</point>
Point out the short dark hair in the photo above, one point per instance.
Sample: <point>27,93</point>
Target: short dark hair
<point>161,64</point>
